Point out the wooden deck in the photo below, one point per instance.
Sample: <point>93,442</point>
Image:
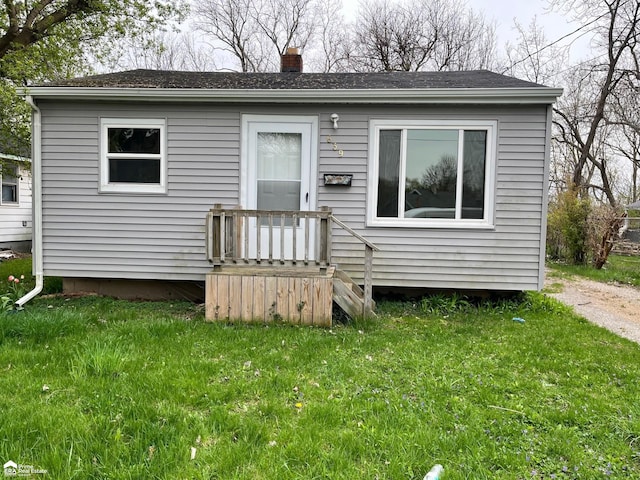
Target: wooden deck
<point>276,266</point>
<point>294,295</point>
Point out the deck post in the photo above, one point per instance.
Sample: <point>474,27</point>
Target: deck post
<point>368,281</point>
<point>324,256</point>
<point>231,228</point>
<point>216,235</point>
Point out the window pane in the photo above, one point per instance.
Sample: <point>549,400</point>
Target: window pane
<point>127,170</point>
<point>9,193</point>
<point>389,173</point>
<point>432,165</point>
<point>475,151</point>
<point>134,140</point>
<point>279,156</point>
<point>9,178</point>
<point>278,195</point>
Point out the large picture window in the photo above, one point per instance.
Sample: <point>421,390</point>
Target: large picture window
<point>10,182</point>
<point>133,156</point>
<point>431,173</point>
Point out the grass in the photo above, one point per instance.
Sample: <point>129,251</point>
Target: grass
<point>619,269</point>
<point>99,388</point>
<point>22,266</point>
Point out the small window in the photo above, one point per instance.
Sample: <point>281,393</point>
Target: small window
<point>133,156</point>
<point>10,181</point>
<point>431,174</point>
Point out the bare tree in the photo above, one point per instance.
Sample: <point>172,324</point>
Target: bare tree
<point>389,38</point>
<point>616,26</point>
<point>257,32</point>
<point>573,122</point>
<point>332,42</point>
<point>231,23</point>
<point>168,51</point>
<point>465,39</point>
<point>587,119</point>
<point>287,23</point>
<point>420,35</point>
<point>533,57</point>
<point>626,119</point>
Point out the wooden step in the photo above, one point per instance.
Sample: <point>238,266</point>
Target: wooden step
<point>349,296</point>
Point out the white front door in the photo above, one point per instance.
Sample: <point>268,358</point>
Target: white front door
<point>278,168</point>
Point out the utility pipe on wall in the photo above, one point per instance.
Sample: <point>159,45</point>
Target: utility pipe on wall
<point>36,179</point>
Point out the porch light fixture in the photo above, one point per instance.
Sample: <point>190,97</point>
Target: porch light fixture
<point>334,118</point>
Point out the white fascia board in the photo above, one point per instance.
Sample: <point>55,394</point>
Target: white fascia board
<point>533,95</point>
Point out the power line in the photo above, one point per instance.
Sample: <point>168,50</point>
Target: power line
<point>555,42</point>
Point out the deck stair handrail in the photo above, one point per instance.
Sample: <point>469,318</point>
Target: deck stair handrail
<point>233,239</point>
<point>369,248</point>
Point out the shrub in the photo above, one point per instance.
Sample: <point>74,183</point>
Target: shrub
<point>567,226</point>
<point>604,223</point>
<point>579,232</point>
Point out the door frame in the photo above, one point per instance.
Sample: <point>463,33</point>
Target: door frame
<point>251,125</point>
<point>249,119</point>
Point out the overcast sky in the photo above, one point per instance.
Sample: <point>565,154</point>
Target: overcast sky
<point>506,11</point>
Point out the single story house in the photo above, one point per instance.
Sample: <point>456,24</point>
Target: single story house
<point>15,203</point>
<point>444,173</point>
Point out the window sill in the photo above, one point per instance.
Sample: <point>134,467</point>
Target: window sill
<point>133,188</point>
<point>439,224</point>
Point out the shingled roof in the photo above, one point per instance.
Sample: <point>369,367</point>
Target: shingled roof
<point>478,87</point>
<point>297,81</point>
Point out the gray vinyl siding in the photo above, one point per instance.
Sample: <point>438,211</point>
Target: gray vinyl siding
<point>87,234</point>
<point>506,257</point>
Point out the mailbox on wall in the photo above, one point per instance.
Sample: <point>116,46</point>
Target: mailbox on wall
<point>338,179</point>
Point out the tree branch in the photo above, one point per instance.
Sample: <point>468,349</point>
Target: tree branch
<point>35,28</point>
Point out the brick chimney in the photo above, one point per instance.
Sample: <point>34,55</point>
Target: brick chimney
<point>291,61</point>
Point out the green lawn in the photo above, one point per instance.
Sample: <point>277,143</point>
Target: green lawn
<point>619,268</point>
<point>98,388</point>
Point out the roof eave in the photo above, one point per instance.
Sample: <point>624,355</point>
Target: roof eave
<point>414,95</point>
<point>15,158</point>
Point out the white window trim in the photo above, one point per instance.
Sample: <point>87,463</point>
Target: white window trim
<point>17,185</point>
<point>487,222</point>
<point>105,186</point>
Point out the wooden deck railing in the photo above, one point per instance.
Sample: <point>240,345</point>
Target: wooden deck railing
<point>235,236</point>
<point>265,237</point>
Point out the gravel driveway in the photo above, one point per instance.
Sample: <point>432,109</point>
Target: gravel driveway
<point>612,306</point>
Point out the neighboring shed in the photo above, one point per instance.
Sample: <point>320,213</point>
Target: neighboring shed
<point>446,173</point>
<point>15,203</point>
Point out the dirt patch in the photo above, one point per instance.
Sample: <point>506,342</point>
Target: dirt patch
<point>615,307</point>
